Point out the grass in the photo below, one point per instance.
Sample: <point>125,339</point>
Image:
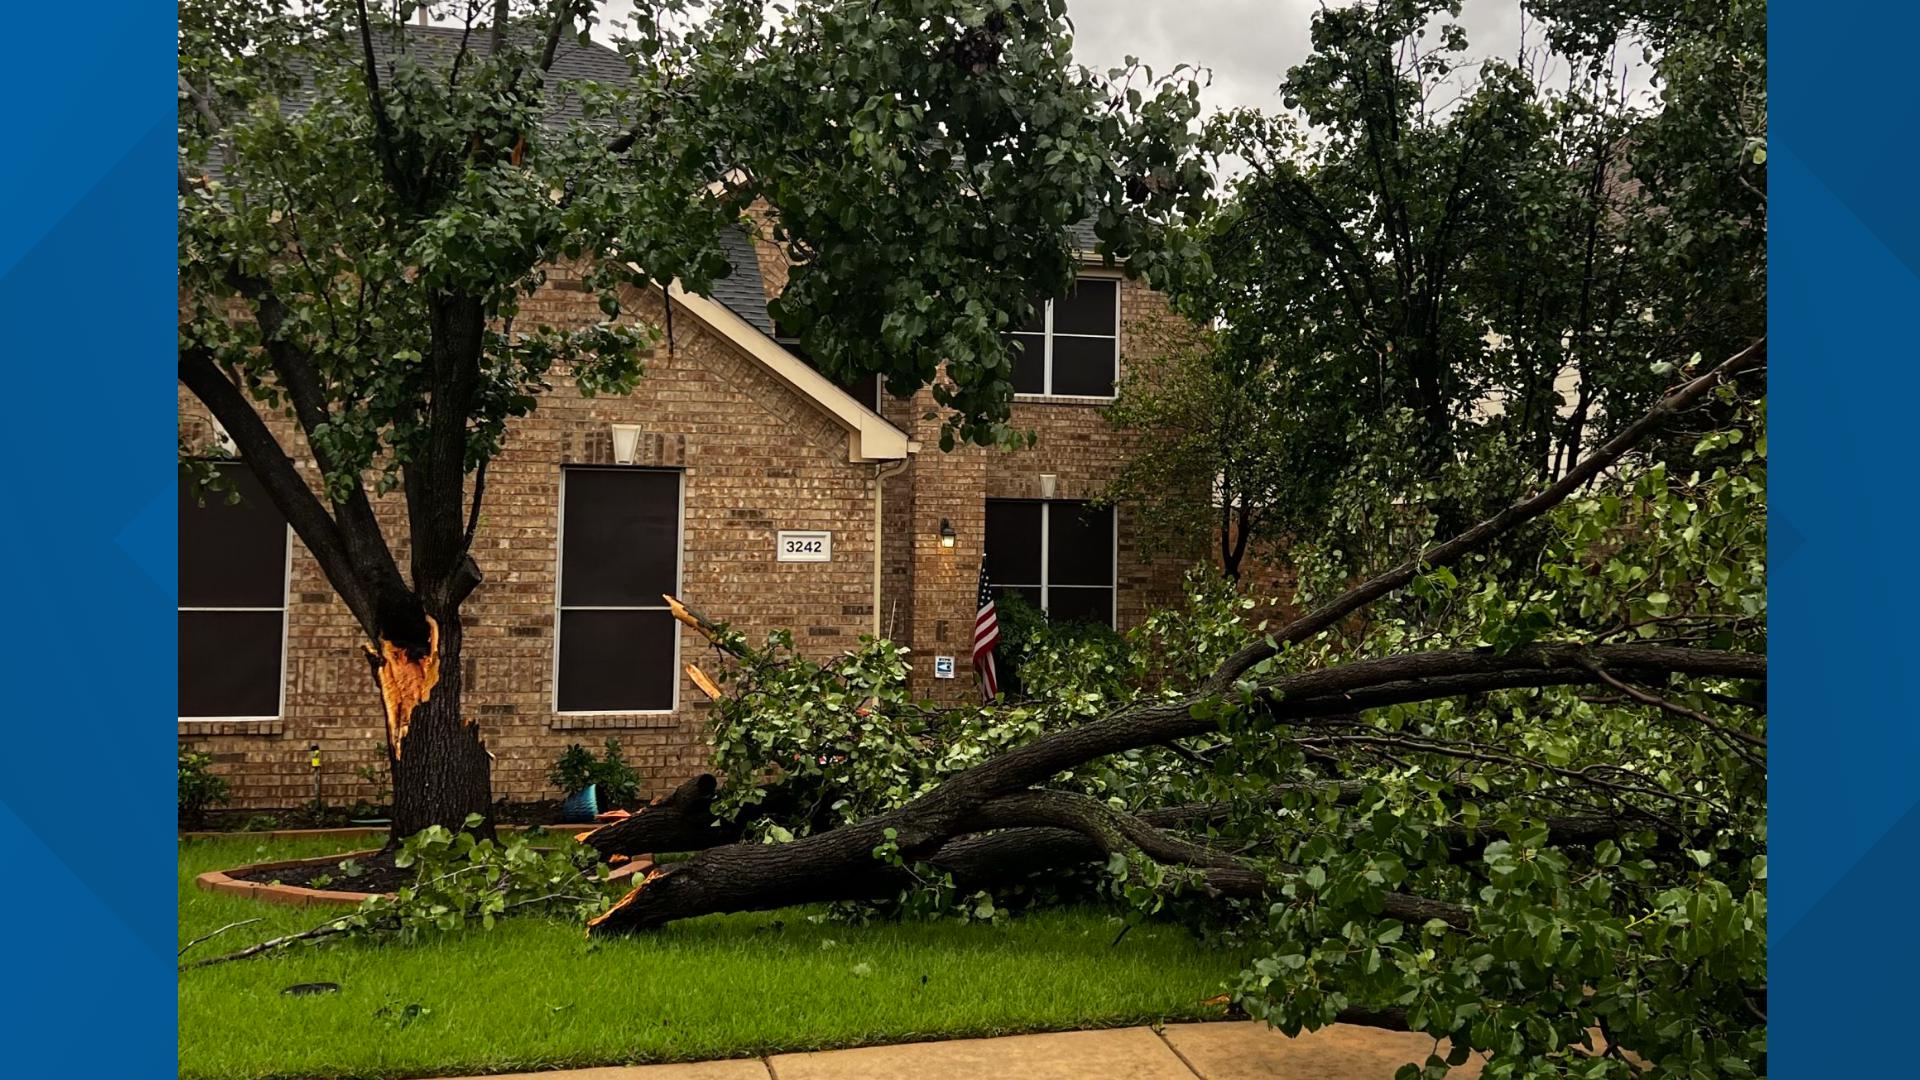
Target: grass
<point>533,994</point>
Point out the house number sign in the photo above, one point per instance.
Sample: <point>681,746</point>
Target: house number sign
<point>803,547</point>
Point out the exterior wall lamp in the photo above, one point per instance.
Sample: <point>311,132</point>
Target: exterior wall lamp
<point>626,439</point>
<point>947,537</point>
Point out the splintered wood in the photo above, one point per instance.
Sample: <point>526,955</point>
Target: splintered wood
<point>406,682</point>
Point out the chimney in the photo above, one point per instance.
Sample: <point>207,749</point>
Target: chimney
<point>423,13</point>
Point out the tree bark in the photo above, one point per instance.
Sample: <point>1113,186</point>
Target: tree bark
<point>442,771</point>
<point>681,820</point>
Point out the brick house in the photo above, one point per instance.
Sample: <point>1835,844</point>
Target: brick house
<point>696,484</point>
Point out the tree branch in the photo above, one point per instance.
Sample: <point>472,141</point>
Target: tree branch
<point>1492,528</point>
<point>1646,698</point>
<point>562,19</point>
<point>382,123</point>
<point>294,367</point>
<point>296,501</point>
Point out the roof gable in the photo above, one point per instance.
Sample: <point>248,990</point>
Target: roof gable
<point>869,436</point>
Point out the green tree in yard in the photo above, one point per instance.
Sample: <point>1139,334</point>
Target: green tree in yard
<point>364,206</point>
<point>1443,281</point>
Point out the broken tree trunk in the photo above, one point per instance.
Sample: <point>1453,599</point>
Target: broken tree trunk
<point>442,771</point>
<point>1313,706</point>
<point>681,820</point>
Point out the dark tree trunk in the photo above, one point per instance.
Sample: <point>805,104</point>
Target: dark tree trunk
<point>442,771</point>
<point>681,820</point>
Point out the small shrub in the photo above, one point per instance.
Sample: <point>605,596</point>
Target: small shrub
<point>200,787</point>
<point>577,767</point>
<point>1038,656</point>
<point>619,783</point>
<point>573,771</point>
<point>383,794</point>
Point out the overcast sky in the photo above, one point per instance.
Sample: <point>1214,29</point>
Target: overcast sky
<point>1247,44</point>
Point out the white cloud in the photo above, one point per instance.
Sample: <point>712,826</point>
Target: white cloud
<point>1248,45</point>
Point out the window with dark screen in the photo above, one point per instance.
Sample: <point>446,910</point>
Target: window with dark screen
<point>617,648</point>
<point>233,598</point>
<point>1071,346</point>
<point>1057,554</point>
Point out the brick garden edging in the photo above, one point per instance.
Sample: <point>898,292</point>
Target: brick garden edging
<point>223,881</point>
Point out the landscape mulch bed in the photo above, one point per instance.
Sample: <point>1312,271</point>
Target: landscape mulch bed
<point>377,874</point>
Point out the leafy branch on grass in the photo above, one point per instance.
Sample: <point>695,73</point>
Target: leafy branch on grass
<point>461,880</point>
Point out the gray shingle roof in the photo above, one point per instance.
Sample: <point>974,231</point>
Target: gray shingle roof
<point>741,289</point>
<point>1083,236</point>
<point>436,46</point>
<point>572,61</point>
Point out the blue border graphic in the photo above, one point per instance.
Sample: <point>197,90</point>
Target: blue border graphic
<point>86,250</point>
<point>1845,733</point>
<point>86,294</point>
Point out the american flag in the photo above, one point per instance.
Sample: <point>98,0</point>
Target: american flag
<point>986,634</point>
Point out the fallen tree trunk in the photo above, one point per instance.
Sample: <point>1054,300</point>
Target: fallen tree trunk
<point>1006,793</point>
<point>994,860</point>
<point>681,820</point>
<point>840,864</point>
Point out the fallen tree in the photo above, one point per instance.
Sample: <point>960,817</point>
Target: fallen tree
<point>1316,708</point>
<point>1508,807</point>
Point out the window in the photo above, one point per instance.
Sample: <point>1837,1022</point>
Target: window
<point>233,599</point>
<point>1058,555</point>
<point>1072,344</point>
<point>618,647</point>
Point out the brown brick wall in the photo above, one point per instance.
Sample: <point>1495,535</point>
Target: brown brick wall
<point>1076,444</point>
<point>757,458</point>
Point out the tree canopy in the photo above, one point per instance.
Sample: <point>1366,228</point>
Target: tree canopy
<point>1443,278</point>
<point>366,204</point>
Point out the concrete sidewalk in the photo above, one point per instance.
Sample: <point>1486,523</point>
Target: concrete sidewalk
<point>1217,1051</point>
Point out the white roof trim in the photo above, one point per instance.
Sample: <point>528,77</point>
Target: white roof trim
<point>869,436</point>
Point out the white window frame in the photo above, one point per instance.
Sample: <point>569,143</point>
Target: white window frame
<point>286,632</point>
<point>559,564</point>
<point>1046,339</point>
<point>1045,584</point>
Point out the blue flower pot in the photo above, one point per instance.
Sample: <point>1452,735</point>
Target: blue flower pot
<point>582,806</point>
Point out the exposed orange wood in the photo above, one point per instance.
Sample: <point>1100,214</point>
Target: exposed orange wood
<point>623,901</point>
<point>680,612</point>
<point>406,681</point>
<point>707,686</point>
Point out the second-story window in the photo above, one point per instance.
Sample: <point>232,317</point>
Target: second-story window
<point>1071,346</point>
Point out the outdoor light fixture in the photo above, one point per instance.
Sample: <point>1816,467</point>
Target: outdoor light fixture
<point>626,438</point>
<point>1047,484</point>
<point>946,533</point>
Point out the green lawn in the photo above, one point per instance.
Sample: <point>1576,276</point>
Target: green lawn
<point>532,993</point>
